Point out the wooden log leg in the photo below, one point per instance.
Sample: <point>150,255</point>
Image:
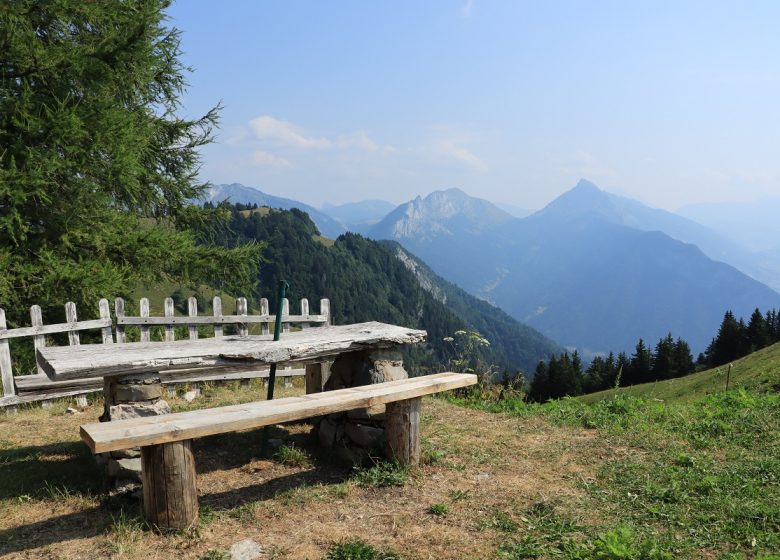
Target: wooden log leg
<point>11,410</point>
<point>47,403</point>
<point>171,390</point>
<point>402,429</point>
<point>313,378</point>
<point>246,383</point>
<point>81,400</point>
<point>170,494</point>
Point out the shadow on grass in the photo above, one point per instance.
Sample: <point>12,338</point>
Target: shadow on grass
<point>54,470</point>
<point>61,470</point>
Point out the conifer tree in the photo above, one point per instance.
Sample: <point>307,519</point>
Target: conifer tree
<point>683,359</point>
<point>728,344</point>
<point>96,165</point>
<point>758,334</point>
<point>640,367</point>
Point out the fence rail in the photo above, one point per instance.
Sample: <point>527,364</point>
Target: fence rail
<point>24,387</point>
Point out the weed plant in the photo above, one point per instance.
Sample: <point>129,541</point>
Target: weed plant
<point>357,549</point>
<point>381,474</point>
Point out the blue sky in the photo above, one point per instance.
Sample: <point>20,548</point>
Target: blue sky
<point>668,102</point>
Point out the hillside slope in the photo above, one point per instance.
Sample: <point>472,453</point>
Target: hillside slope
<point>759,370</point>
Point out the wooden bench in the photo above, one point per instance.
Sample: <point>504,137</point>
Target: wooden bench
<point>168,464</point>
<point>21,387</point>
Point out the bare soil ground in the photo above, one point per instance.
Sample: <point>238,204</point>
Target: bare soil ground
<point>484,467</point>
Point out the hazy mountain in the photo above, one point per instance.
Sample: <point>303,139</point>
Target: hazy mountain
<point>588,270</point>
<point>442,213</point>
<point>240,194</point>
<point>521,344</point>
<point>756,224</point>
<point>515,211</point>
<point>359,216</point>
<point>588,198</point>
<point>444,227</point>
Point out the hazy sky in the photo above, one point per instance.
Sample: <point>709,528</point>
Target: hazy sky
<point>668,102</point>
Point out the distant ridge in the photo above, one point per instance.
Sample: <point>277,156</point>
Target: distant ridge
<point>359,216</point>
<point>241,194</point>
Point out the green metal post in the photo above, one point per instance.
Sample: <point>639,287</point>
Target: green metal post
<point>283,287</point>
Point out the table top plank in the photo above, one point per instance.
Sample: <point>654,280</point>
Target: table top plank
<point>111,436</point>
<point>97,360</point>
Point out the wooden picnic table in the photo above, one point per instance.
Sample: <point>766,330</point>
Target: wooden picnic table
<point>88,361</point>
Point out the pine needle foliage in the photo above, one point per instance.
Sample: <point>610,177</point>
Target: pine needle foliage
<point>97,167</point>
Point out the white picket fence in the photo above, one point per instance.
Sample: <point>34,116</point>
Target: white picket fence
<point>25,387</point>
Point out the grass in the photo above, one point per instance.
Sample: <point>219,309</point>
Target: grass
<point>623,478</point>
<point>292,456</point>
<point>693,476</point>
<point>757,371</point>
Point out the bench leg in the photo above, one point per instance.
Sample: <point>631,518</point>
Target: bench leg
<point>170,494</point>
<point>402,429</point>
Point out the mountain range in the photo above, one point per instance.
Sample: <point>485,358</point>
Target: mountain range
<point>591,270</point>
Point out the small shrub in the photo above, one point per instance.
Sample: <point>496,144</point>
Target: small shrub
<point>382,474</point>
<point>439,510</point>
<point>214,554</point>
<point>357,549</point>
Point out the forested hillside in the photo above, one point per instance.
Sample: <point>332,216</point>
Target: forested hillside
<point>366,280</point>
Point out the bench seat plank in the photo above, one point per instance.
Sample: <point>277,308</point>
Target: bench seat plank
<point>124,434</point>
<point>94,360</point>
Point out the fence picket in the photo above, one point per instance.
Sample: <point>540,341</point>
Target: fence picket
<point>325,310</point>
<point>6,368</point>
<point>285,312</point>
<point>304,311</point>
<point>70,317</point>
<point>144,305</point>
<point>216,306</point>
<point>105,313</point>
<point>170,332</point>
<point>192,311</point>
<point>39,341</point>
<point>119,311</point>
<point>264,329</point>
<point>241,309</point>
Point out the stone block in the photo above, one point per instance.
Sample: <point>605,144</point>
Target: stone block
<point>364,435</point>
<point>135,392</point>
<point>326,432</point>
<point>376,412</point>
<point>124,468</point>
<point>125,411</point>
<point>126,453</point>
<point>139,379</point>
